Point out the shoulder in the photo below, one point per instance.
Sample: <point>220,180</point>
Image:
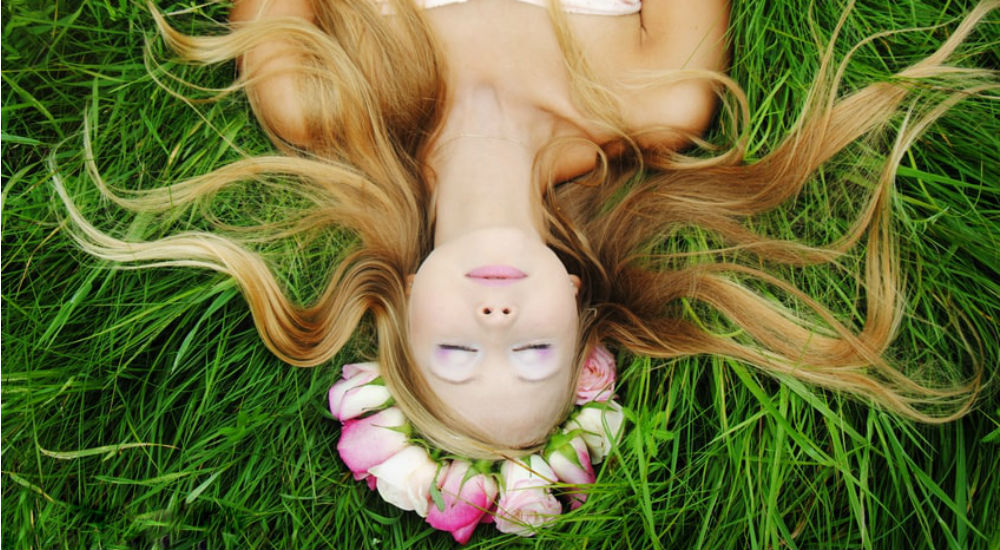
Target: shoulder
<point>674,36</point>
<point>271,70</point>
<point>671,25</point>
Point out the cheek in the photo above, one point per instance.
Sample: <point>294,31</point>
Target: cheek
<point>420,304</point>
<point>428,307</point>
<point>566,313</point>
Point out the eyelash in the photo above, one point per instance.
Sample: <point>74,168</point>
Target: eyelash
<point>533,346</point>
<point>453,347</point>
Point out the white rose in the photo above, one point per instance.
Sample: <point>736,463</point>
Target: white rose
<point>405,479</point>
<point>525,500</point>
<point>601,424</point>
<point>532,468</point>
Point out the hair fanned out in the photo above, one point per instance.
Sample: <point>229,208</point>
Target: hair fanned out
<point>358,164</point>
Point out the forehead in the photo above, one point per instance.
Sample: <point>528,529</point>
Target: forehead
<point>516,413</point>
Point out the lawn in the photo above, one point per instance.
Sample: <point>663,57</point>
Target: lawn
<point>140,408</point>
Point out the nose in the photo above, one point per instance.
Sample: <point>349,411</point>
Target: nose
<point>496,313</point>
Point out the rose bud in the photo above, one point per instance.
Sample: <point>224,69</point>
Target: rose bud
<point>467,496</point>
<point>404,480</point>
<point>358,392</point>
<point>569,458</point>
<point>370,441</point>
<point>525,500</point>
<point>597,377</point>
<point>600,425</point>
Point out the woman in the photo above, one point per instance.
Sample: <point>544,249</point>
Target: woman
<point>490,318</point>
<point>492,314</point>
<point>501,239</point>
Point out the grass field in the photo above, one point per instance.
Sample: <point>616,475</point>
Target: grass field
<point>141,410</point>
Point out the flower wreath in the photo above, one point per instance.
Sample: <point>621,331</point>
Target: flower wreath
<point>456,495</point>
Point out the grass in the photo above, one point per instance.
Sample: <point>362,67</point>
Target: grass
<point>141,410</point>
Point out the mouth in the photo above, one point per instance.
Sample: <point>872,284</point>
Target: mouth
<point>496,275</point>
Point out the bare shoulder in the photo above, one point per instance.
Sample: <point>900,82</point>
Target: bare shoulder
<point>674,35</point>
<point>248,10</point>
<point>680,28</point>
<point>274,88</point>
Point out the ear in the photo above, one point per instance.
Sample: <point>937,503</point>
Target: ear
<point>409,283</point>
<point>576,284</point>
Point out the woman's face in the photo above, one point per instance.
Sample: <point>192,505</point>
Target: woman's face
<point>493,328</point>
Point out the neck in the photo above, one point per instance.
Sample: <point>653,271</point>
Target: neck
<point>482,164</point>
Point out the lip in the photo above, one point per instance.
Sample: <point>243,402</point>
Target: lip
<point>496,275</point>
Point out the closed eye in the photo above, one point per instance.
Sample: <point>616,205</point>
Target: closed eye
<point>455,362</point>
<point>534,361</point>
<point>454,347</point>
<point>533,347</point>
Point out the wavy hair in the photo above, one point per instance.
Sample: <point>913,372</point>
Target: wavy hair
<point>368,119</point>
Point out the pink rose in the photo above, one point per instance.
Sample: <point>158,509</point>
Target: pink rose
<point>405,479</point>
<point>355,394</point>
<point>467,497</point>
<point>597,378</point>
<point>525,500</point>
<point>569,458</point>
<point>600,425</point>
<point>370,441</point>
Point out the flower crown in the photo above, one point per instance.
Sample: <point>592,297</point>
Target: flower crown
<point>456,495</point>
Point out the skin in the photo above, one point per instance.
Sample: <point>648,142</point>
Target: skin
<point>472,340</point>
<point>498,355</point>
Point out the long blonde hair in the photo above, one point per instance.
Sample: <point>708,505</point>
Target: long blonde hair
<point>369,118</point>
